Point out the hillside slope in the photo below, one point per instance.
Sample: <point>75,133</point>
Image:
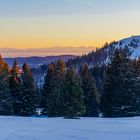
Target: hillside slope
<point>102,56</point>
<point>133,43</point>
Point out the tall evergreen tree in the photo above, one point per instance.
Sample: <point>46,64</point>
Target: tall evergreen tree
<point>59,79</point>
<point>6,106</point>
<point>47,99</point>
<point>16,88</point>
<point>73,99</point>
<point>28,92</point>
<point>120,85</point>
<point>137,70</point>
<point>54,89</point>
<point>91,94</point>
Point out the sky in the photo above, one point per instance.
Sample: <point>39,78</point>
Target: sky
<point>38,24</point>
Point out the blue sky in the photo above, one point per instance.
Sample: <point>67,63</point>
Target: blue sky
<point>64,23</point>
<point>65,7</point>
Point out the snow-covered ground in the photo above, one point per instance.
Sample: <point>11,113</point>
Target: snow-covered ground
<point>20,128</point>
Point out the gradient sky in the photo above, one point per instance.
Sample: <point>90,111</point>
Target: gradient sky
<point>50,23</point>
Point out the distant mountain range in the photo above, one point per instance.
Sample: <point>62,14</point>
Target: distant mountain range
<point>37,61</point>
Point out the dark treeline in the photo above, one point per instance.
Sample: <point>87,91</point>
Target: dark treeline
<point>110,90</point>
<point>121,88</point>
<point>69,93</point>
<point>66,92</point>
<point>17,90</point>
<point>95,58</point>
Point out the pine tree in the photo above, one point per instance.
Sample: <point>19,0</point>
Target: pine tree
<point>47,99</point>
<point>91,94</point>
<point>54,89</point>
<point>119,97</point>
<point>73,98</point>
<point>28,92</point>
<point>59,79</point>
<point>6,106</point>
<point>137,70</point>
<point>16,88</point>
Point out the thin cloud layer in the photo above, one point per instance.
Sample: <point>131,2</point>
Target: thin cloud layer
<point>12,52</point>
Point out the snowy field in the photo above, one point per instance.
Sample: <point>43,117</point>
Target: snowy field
<point>18,128</point>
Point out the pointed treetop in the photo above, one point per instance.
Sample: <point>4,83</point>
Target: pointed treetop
<point>26,68</point>
<point>1,57</point>
<point>84,69</point>
<point>15,69</point>
<point>60,63</point>
<point>51,67</point>
<point>71,71</point>
<point>15,66</point>
<point>60,66</point>
<point>15,63</point>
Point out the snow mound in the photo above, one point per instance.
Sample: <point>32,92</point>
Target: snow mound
<point>133,44</point>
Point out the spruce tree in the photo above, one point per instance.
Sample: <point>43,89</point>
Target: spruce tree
<point>54,89</point>
<point>120,85</point>
<point>91,94</point>
<point>59,79</point>
<point>28,92</point>
<point>137,70</point>
<point>16,88</point>
<point>73,99</point>
<point>6,106</point>
<point>47,99</point>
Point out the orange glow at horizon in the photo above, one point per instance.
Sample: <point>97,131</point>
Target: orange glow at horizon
<point>65,31</point>
<point>66,23</point>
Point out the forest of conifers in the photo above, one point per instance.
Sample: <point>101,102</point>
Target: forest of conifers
<point>109,90</point>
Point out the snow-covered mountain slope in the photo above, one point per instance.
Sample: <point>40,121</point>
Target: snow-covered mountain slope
<point>133,43</point>
<point>23,128</point>
<point>103,55</point>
